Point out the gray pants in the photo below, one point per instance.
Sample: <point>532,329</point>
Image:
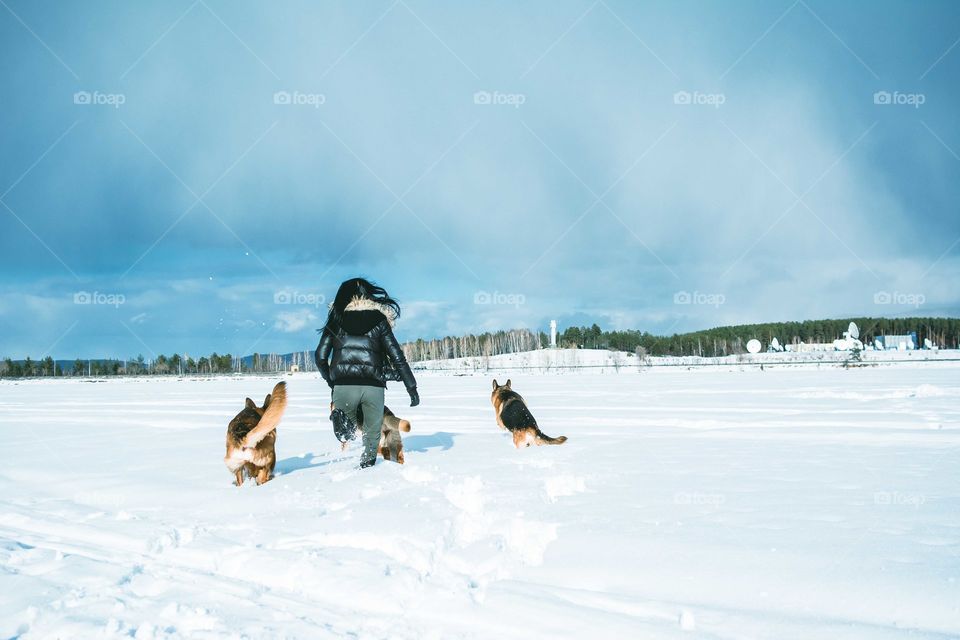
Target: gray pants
<point>347,397</point>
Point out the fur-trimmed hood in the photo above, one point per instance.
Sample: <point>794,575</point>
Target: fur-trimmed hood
<point>366,304</point>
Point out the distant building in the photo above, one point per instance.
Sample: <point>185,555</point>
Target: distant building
<point>905,342</point>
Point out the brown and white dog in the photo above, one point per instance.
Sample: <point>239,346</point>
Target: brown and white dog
<point>252,437</point>
<point>391,444</point>
<point>513,415</point>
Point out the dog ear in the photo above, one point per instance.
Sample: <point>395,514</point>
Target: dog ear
<point>508,384</point>
<point>249,404</point>
<point>267,400</point>
<point>495,385</point>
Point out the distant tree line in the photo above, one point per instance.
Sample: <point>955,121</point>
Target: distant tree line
<point>29,368</point>
<point>161,365</point>
<point>474,346</point>
<point>722,341</point>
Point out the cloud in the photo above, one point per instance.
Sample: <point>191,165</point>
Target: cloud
<point>496,198</point>
<point>294,321</point>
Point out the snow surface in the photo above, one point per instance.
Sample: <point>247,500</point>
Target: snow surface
<point>706,503</point>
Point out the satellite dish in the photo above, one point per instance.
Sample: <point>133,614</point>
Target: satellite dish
<point>775,344</point>
<point>853,330</point>
<point>753,346</point>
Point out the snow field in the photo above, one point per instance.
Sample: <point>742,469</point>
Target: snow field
<point>710,504</point>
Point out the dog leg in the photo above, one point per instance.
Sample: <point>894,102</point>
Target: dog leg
<point>239,474</point>
<point>522,437</point>
<point>400,456</point>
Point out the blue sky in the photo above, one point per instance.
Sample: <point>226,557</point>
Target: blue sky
<point>200,176</point>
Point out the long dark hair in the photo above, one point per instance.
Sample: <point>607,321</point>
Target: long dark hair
<point>353,288</point>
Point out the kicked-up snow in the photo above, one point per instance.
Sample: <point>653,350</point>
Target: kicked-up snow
<point>786,503</point>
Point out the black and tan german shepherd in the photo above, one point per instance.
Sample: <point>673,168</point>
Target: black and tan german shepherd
<point>252,437</point>
<point>514,416</point>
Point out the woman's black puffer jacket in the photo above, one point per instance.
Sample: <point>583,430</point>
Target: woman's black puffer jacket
<point>364,351</point>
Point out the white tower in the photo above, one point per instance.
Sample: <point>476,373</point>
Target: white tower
<point>553,334</point>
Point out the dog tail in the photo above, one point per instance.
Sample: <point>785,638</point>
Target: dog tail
<point>271,417</point>
<point>543,438</point>
<point>404,425</point>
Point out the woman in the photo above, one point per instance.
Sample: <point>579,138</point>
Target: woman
<point>358,353</point>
